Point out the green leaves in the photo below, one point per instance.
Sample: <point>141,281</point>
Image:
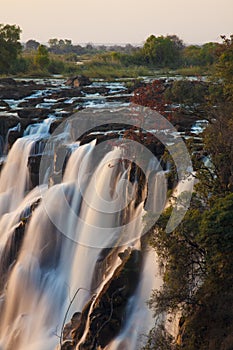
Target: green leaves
<point>162,51</point>
<point>10,46</point>
<point>42,57</point>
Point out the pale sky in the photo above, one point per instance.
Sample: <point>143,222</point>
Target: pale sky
<point>119,21</point>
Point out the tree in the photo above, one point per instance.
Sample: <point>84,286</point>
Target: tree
<point>60,46</point>
<point>224,67</point>
<point>53,42</point>
<point>32,45</point>
<point>204,55</point>
<point>10,46</point>
<point>162,51</point>
<point>216,237</point>
<point>42,57</point>
<point>208,53</point>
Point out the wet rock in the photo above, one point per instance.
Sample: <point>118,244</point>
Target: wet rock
<point>2,162</point>
<point>4,105</point>
<point>74,323</point>
<point>65,93</point>
<point>13,135</point>
<point>11,250</point>
<point>92,90</point>
<point>32,113</point>
<point>67,345</point>
<point>183,120</point>
<point>61,157</point>
<point>8,81</point>
<point>157,148</point>
<point>79,80</point>
<point>34,161</point>
<point>16,90</point>
<point>119,98</point>
<point>34,169</point>
<point>31,102</point>
<point>7,121</point>
<point>54,125</point>
<point>109,307</point>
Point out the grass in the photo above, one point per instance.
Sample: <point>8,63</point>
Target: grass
<point>193,71</point>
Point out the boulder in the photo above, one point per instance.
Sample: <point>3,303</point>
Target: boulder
<point>7,121</point>
<point>4,105</point>
<point>31,102</point>
<point>79,80</point>
<point>74,92</point>
<point>32,113</point>
<point>16,90</point>
<point>8,81</point>
<point>92,90</point>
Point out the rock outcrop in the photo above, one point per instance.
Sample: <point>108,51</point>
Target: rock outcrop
<point>106,312</point>
<point>78,81</point>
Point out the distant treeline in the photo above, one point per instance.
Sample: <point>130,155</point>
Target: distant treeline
<point>61,56</point>
<point>160,51</point>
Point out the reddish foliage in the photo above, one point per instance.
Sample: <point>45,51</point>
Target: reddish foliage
<point>152,95</point>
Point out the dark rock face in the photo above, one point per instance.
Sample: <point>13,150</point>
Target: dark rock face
<point>13,245</point>
<point>55,124</point>
<point>13,135</point>
<point>108,308</point>
<point>34,167</point>
<point>7,121</point>
<point>11,251</point>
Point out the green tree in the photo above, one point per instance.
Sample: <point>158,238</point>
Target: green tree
<point>204,55</point>
<point>216,237</point>
<point>191,55</point>
<point>197,256</point>
<point>10,46</point>
<point>42,57</point>
<point>162,51</point>
<point>208,54</point>
<point>32,45</point>
<point>224,66</point>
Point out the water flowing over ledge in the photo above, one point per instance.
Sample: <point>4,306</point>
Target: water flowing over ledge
<point>71,243</point>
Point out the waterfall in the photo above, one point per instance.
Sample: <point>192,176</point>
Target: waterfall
<point>14,179</point>
<point>39,128</point>
<point>140,317</point>
<point>62,242</point>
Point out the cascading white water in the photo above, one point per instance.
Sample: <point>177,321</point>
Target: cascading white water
<point>62,243</point>
<point>14,179</point>
<point>39,128</point>
<point>140,317</point>
<point>57,268</point>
